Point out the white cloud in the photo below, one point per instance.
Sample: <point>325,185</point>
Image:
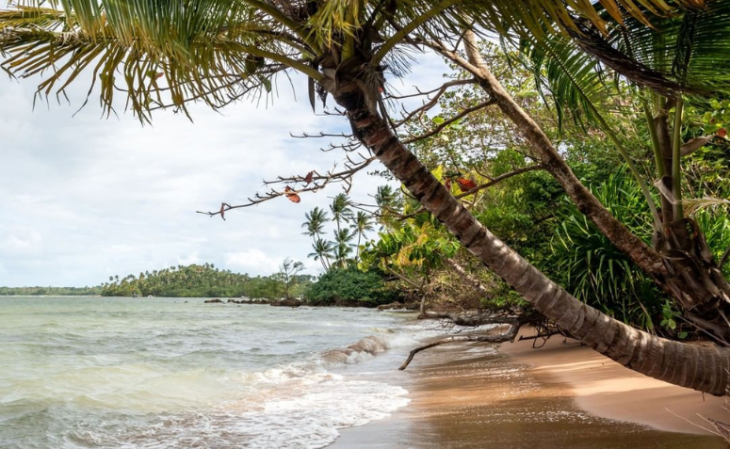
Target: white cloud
<point>254,260</point>
<point>85,198</point>
<point>189,260</point>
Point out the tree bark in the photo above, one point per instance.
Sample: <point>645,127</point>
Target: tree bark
<point>704,368</point>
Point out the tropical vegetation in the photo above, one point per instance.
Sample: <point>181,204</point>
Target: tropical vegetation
<point>50,291</point>
<point>208,281</point>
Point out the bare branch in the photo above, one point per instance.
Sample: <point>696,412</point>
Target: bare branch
<point>491,183</point>
<point>448,122</point>
<point>510,335</point>
<point>312,178</point>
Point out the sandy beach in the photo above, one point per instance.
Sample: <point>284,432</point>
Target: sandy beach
<point>562,395</point>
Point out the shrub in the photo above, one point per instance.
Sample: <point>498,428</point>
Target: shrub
<point>350,285</point>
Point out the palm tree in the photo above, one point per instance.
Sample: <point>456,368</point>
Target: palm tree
<point>315,221</point>
<point>322,252</point>
<point>342,247</point>
<point>340,209</point>
<point>217,51</point>
<point>360,225</point>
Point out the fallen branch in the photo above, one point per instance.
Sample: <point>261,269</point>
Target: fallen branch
<point>500,338</point>
<point>473,319</point>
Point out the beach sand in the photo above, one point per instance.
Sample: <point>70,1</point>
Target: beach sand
<point>561,396</point>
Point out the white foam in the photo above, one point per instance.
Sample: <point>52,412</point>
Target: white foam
<point>294,406</point>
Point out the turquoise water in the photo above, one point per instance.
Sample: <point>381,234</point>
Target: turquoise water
<point>178,373</point>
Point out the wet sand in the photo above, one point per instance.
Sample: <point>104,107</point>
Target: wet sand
<point>470,396</point>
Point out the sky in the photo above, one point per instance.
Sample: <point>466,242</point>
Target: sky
<point>83,197</point>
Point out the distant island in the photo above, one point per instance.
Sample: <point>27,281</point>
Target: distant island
<point>183,281</point>
<point>50,291</point>
<point>203,281</point>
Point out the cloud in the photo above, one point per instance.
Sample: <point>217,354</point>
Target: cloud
<point>254,259</point>
<point>85,198</point>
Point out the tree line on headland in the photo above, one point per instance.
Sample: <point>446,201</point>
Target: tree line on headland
<point>205,280</point>
<point>50,291</point>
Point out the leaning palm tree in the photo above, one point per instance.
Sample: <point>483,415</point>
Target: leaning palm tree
<point>360,225</point>
<point>322,251</point>
<point>167,54</point>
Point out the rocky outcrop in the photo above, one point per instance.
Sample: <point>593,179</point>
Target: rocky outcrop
<point>248,301</point>
<point>213,301</point>
<point>286,303</point>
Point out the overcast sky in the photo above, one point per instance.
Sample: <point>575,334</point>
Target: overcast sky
<point>84,198</point>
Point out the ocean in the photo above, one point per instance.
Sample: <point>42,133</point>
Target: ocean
<point>80,372</point>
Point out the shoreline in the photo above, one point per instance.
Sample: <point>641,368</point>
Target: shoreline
<point>604,388</point>
<point>470,395</point>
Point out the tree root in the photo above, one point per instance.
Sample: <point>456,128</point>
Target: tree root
<point>510,335</point>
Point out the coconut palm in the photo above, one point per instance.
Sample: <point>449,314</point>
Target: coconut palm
<point>314,223</point>
<point>360,225</point>
<point>341,210</point>
<point>167,54</point>
<point>322,252</point>
<point>342,246</point>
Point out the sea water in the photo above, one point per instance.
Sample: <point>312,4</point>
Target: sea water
<point>178,373</point>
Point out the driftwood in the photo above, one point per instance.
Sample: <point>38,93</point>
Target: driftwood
<point>472,318</point>
<point>510,335</point>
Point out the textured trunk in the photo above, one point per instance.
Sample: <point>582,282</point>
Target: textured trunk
<point>700,367</point>
<point>678,263</point>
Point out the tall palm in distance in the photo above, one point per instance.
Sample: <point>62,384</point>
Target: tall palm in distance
<point>342,247</point>
<point>322,252</point>
<point>360,225</point>
<point>314,222</point>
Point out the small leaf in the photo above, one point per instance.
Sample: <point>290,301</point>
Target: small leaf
<point>293,197</point>
<point>466,184</point>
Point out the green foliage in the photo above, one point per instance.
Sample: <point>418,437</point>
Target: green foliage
<point>350,285</point>
<point>594,271</point>
<point>205,281</point>
<point>50,291</point>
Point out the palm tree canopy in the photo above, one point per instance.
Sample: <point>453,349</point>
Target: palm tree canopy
<point>361,223</point>
<point>322,249</point>
<point>315,221</point>
<point>340,208</point>
<point>344,236</point>
<point>166,54</point>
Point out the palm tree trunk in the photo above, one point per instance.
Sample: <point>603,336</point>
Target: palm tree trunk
<point>700,367</point>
